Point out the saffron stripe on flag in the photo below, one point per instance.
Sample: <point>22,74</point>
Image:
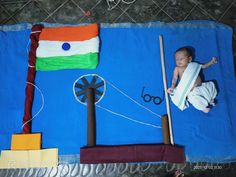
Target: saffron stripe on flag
<point>55,48</point>
<point>86,61</point>
<point>69,33</point>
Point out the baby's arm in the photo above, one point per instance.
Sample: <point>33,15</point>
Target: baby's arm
<point>212,62</point>
<point>174,81</point>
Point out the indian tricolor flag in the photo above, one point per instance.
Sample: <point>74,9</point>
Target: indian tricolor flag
<point>68,47</point>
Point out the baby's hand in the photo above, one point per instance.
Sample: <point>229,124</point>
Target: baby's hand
<point>214,60</point>
<point>170,90</point>
<point>179,173</point>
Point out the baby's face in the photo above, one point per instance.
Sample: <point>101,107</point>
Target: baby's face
<point>182,59</point>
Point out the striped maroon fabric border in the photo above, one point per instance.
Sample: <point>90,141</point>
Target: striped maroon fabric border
<point>132,153</point>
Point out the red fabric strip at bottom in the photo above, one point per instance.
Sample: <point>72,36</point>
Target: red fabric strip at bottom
<point>132,153</point>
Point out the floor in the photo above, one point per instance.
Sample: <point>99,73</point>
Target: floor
<point>115,11</point>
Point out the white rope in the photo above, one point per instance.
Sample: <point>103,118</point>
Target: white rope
<point>30,66</point>
<point>112,112</point>
<point>133,120</point>
<point>35,32</point>
<point>27,50</point>
<point>41,108</point>
<point>28,46</point>
<point>133,100</point>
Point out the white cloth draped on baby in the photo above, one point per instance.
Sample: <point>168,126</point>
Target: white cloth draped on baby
<point>180,93</point>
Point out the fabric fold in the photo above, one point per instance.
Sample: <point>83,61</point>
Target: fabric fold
<point>185,85</point>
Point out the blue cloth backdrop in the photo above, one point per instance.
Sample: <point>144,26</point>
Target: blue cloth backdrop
<point>130,63</point>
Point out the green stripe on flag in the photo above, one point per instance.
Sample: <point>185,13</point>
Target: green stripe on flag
<point>86,61</point>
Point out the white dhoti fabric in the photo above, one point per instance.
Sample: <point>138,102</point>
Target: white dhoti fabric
<point>200,97</point>
<point>180,93</point>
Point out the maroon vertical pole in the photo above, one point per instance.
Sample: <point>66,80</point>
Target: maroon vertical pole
<point>91,127</point>
<point>29,90</point>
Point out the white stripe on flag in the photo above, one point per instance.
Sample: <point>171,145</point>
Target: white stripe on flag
<point>54,48</point>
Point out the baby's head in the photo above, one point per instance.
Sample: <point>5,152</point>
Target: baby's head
<point>183,56</point>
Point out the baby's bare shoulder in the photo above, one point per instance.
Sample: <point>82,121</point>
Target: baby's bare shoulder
<point>176,71</point>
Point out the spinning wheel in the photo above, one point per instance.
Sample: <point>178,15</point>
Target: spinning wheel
<point>89,81</point>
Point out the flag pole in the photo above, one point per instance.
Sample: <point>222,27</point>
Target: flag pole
<point>29,90</point>
<point>165,88</point>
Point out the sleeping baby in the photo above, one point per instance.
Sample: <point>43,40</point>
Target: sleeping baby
<point>190,87</point>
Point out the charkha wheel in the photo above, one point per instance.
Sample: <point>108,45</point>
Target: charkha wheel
<point>89,81</point>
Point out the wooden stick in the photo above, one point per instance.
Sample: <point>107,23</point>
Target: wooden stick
<point>165,129</point>
<point>165,88</point>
